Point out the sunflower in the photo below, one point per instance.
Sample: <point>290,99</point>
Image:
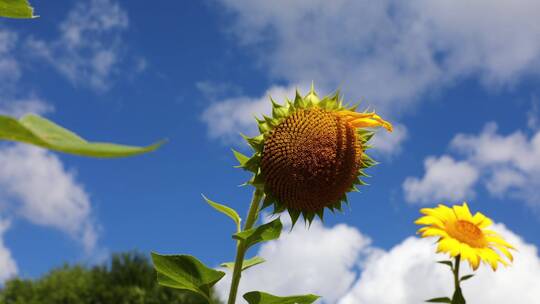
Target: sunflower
<point>462,234</point>
<point>310,154</point>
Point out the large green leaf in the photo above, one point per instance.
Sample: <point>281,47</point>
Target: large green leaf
<point>228,211</point>
<point>263,233</point>
<point>246,264</point>
<point>185,272</point>
<point>258,297</point>
<point>36,130</point>
<point>16,9</point>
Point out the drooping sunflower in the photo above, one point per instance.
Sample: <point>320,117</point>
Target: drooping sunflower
<point>461,233</point>
<point>310,154</point>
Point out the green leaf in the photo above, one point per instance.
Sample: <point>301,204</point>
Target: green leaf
<point>466,277</point>
<point>447,263</point>
<point>263,233</point>
<point>186,273</point>
<point>16,9</point>
<point>35,130</point>
<point>246,264</point>
<point>228,211</point>
<point>258,297</point>
<point>440,300</point>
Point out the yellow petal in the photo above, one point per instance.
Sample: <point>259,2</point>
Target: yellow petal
<point>470,255</point>
<point>434,232</point>
<point>462,212</point>
<point>504,251</point>
<point>430,220</point>
<point>446,213</point>
<point>449,245</point>
<point>481,220</point>
<point>365,120</point>
<point>498,240</point>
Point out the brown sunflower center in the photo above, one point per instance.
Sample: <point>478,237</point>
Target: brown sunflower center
<point>469,233</point>
<point>310,159</point>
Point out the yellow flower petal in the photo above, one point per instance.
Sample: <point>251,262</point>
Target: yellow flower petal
<point>434,232</point>
<point>481,220</point>
<point>363,120</point>
<point>430,220</point>
<point>463,213</point>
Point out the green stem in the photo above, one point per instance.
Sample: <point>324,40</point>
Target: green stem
<point>456,272</point>
<point>457,298</point>
<point>253,214</point>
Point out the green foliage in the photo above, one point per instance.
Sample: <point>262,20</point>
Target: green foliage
<point>186,273</point>
<point>440,300</point>
<point>466,277</point>
<point>246,264</point>
<point>263,233</point>
<point>228,211</point>
<point>258,297</point>
<point>16,9</point>
<point>128,279</point>
<point>35,130</point>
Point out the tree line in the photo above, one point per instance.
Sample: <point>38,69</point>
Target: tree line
<point>128,278</point>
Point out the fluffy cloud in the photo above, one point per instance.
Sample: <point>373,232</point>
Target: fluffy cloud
<point>35,185</point>
<point>389,144</point>
<point>325,261</point>
<point>510,163</point>
<point>227,118</point>
<point>319,260</point>
<point>88,49</point>
<point>8,267</point>
<point>507,165</point>
<point>444,179</point>
<point>10,71</point>
<point>18,108</point>
<point>387,51</point>
<point>407,274</point>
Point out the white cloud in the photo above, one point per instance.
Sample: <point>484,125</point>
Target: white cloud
<point>89,47</point>
<point>510,163</point>
<point>533,115</point>
<point>408,274</point>
<point>18,108</point>
<point>10,71</point>
<point>507,165</point>
<point>35,185</point>
<point>227,118</point>
<point>389,144</point>
<point>8,267</point>
<point>444,179</point>
<point>326,260</point>
<point>390,52</point>
<point>319,260</point>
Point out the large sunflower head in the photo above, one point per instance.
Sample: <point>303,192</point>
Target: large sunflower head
<point>310,153</point>
<point>461,233</point>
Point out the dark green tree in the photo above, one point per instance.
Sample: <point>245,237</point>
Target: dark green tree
<point>128,278</point>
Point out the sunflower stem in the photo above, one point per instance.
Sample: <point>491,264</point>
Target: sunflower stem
<point>252,216</point>
<point>456,272</point>
<point>457,298</point>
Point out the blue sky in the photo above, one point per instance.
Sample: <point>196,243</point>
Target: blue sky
<point>460,85</point>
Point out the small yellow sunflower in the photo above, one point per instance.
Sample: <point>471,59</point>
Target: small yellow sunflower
<point>461,233</point>
<point>310,154</point>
